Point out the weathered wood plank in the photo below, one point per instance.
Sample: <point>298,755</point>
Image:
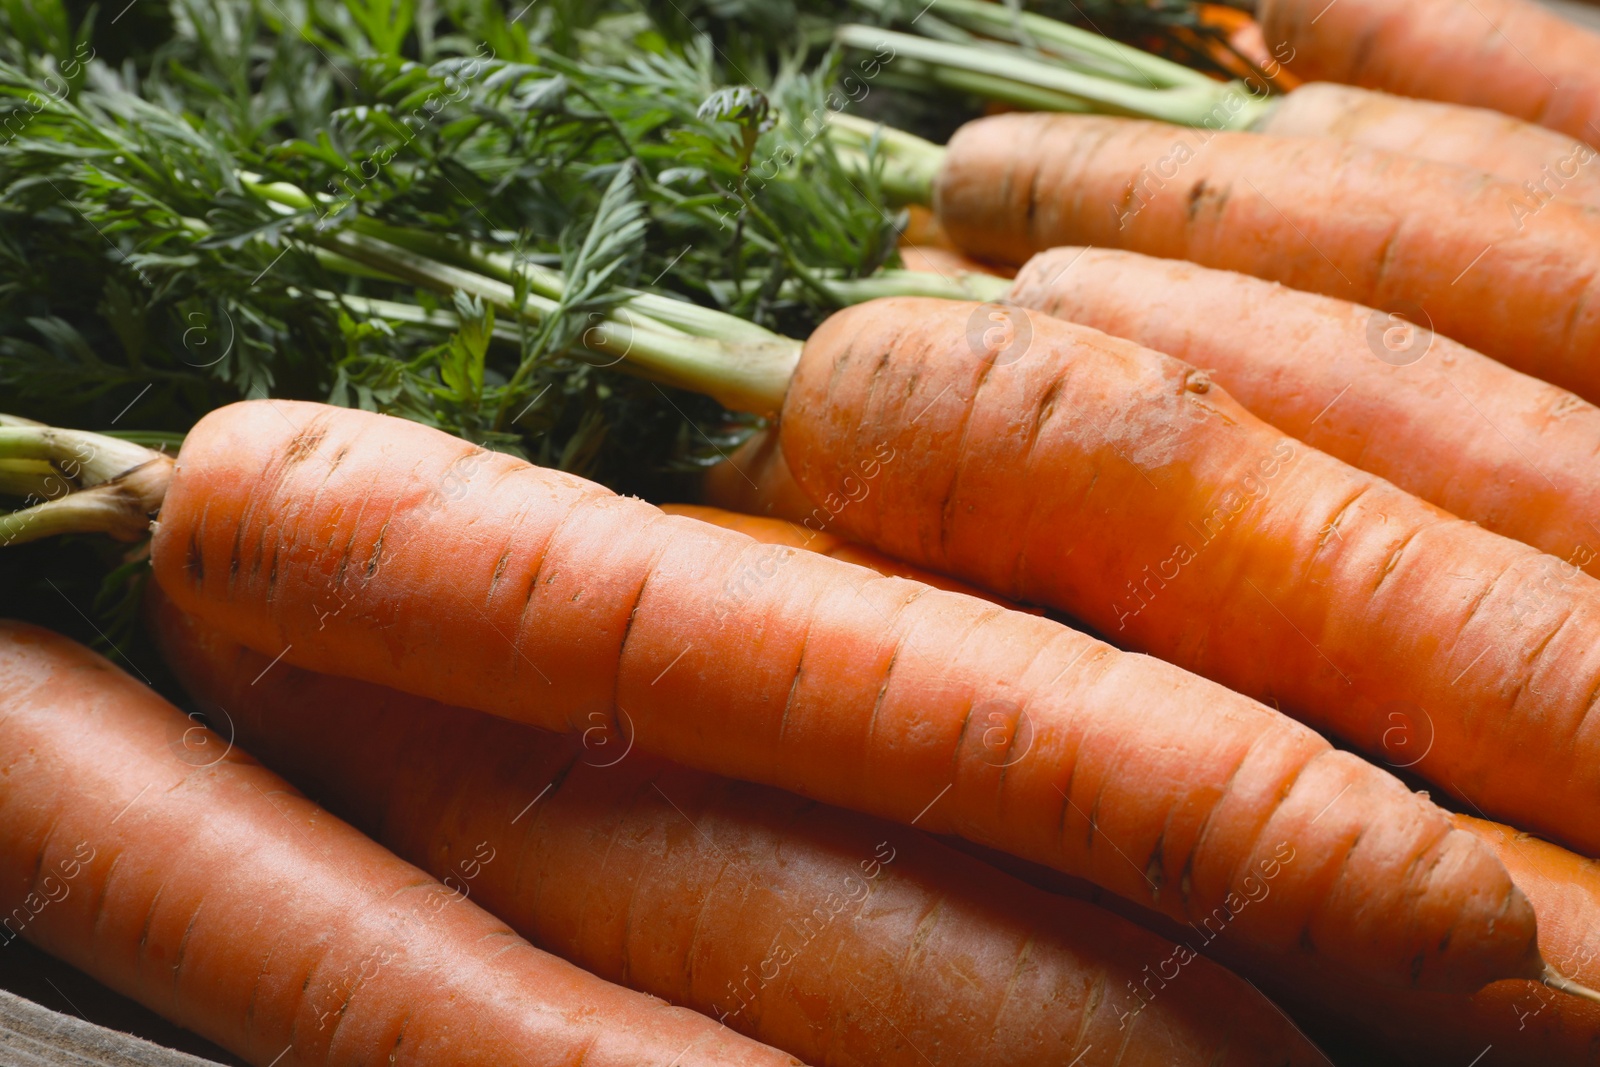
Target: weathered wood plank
<point>35,1036</point>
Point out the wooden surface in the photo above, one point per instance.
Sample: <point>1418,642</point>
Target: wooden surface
<point>69,994</point>
<point>35,1036</point>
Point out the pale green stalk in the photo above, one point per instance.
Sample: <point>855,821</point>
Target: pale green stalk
<point>1013,77</point>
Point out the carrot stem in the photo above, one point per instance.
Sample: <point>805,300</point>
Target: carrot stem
<point>963,285</point>
<point>1081,47</point>
<point>27,477</point>
<point>736,369</point>
<point>84,482</point>
<point>1018,77</point>
<point>910,164</point>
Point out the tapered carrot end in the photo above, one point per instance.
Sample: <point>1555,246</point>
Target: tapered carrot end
<point>1567,985</point>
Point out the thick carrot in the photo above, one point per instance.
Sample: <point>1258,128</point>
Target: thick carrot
<point>789,921</point>
<point>785,534</point>
<point>351,543</point>
<point>1509,452</point>
<point>1507,1023</point>
<point>1480,260</point>
<point>1053,464</point>
<point>161,860</point>
<point>1545,164</point>
<point>1514,56</point>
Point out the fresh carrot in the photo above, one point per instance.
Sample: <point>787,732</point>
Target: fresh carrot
<point>1053,464</point>
<point>785,534</point>
<point>1509,452</point>
<point>151,853</point>
<point>1487,263</point>
<point>1543,163</point>
<point>1506,1024</point>
<point>351,543</point>
<point>789,921</point>
<point>1514,56</point>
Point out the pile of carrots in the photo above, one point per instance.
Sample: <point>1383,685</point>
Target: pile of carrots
<point>1183,653</point>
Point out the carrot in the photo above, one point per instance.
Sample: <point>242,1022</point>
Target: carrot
<point>1506,1023</point>
<point>1480,440</point>
<point>350,543</point>
<point>1513,276</point>
<point>770,531</point>
<point>161,860</point>
<point>1543,163</point>
<point>1514,56</point>
<point>789,921</point>
<point>1052,464</point>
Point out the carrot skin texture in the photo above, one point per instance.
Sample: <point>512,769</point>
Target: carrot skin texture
<point>1510,55</point>
<point>1472,137</point>
<point>781,532</point>
<point>789,920</point>
<point>1514,1023</point>
<point>1484,263</point>
<point>543,598</point>
<point>1082,472</point>
<point>1508,1024</point>
<point>1509,452</point>
<point>216,895</point>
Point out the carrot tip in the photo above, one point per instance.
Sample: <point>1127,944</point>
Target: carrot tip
<point>1567,985</point>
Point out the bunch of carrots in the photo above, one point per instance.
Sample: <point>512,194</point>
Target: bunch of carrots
<point>1157,622</point>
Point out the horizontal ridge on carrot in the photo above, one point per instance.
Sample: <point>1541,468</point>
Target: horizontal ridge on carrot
<point>1482,441</point>
<point>157,857</point>
<point>787,920</point>
<point>352,543</point>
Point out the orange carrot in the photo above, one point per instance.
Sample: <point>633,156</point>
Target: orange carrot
<point>351,543</point>
<point>1544,164</point>
<point>1053,464</point>
<point>1504,1024</point>
<point>789,921</point>
<point>1514,56</point>
<point>779,532</point>
<point>152,854</point>
<point>1510,274</point>
<point>1509,452</point>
